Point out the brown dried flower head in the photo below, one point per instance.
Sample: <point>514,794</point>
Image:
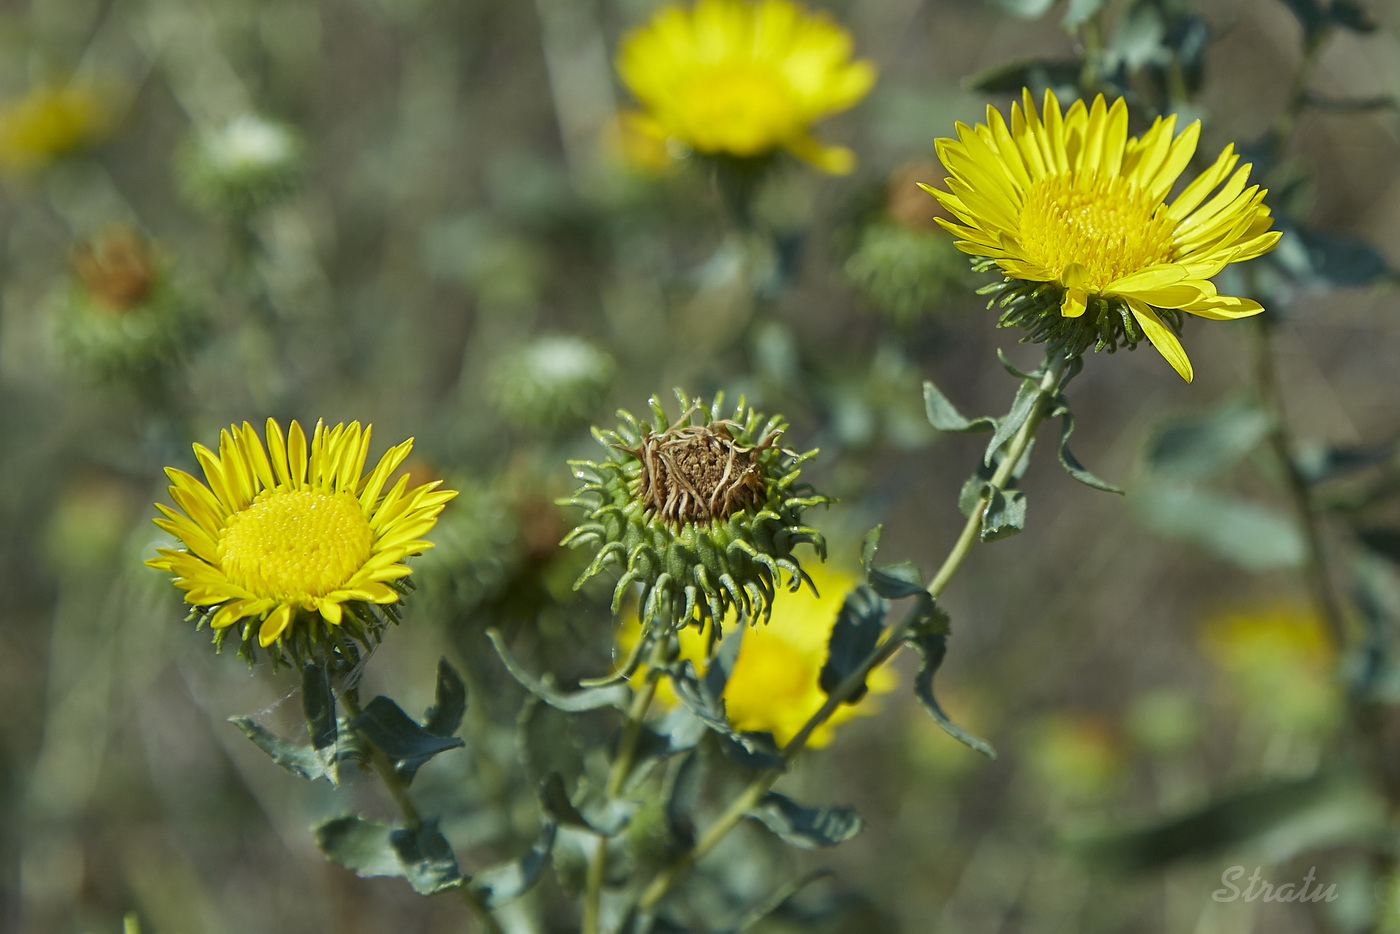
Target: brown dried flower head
<point>699,473</point>
<point>119,269</point>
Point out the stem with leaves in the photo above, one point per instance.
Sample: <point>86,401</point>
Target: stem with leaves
<point>1047,388</point>
<point>397,789</point>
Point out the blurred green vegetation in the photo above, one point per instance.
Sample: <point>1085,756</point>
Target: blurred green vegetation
<point>453,194</point>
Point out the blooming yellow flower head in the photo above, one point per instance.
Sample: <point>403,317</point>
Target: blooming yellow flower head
<point>49,122</point>
<point>741,79</point>
<point>773,687</point>
<point>294,539</point>
<point>1076,214</point>
<point>1278,658</point>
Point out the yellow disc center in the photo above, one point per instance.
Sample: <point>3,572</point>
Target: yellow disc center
<point>295,544</point>
<point>1105,223</point>
<point>742,109</point>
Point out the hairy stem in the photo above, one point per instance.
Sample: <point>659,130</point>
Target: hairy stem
<point>894,640</point>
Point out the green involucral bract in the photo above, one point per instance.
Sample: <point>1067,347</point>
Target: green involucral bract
<point>701,513</point>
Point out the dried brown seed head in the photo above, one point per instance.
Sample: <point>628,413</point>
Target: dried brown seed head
<point>699,473</point>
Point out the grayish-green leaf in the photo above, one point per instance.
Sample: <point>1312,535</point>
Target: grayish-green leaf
<point>945,416</point>
<point>1207,443</point>
<point>776,900</point>
<point>751,750</point>
<point>318,706</point>
<point>1079,12</point>
<point>360,845</point>
<point>809,828</point>
<point>1067,460</point>
<point>897,581</point>
<point>1252,536</point>
<point>449,702</point>
<point>397,734</point>
<point>426,858</point>
<point>612,695</point>
<point>1058,74</point>
<point>869,546</point>
<point>931,642</point>
<point>509,880</point>
<point>1030,9</point>
<point>1027,398</point>
<point>300,760</point>
<point>855,635</point>
<point>549,744</point>
<point>1004,515</point>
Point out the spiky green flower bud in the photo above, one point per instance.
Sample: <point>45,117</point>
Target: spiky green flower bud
<point>552,381</point>
<point>243,166</point>
<point>702,513</point>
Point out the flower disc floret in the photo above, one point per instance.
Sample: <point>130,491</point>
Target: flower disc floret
<point>295,541</point>
<point>1076,215</point>
<point>701,513</point>
<point>744,80</point>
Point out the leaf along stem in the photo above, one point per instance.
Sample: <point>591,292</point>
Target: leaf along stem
<point>1050,382</point>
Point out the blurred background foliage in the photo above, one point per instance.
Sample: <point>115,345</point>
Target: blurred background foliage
<point>427,215</point>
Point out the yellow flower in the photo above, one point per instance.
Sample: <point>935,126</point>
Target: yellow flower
<point>1071,200</point>
<point>48,122</point>
<point>733,78</point>
<point>290,537</point>
<point>773,687</point>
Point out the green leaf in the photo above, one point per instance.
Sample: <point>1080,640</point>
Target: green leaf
<point>509,880</point>
<point>1004,515</point>
<point>806,827</point>
<point>931,642</point>
<point>974,488</point>
<point>1207,443</point>
<point>449,702</point>
<point>751,750</point>
<point>1027,398</point>
<point>612,695</point>
<point>1078,12</point>
<point>1279,819</point>
<point>397,734</point>
<point>300,760</point>
<point>426,858</point>
<point>360,845</point>
<point>549,744</point>
<point>1350,14</point>
<point>1375,676</point>
<point>777,899</point>
<point>1030,9</point>
<point>318,706</point>
<point>855,635</point>
<point>1250,535</point>
<point>1067,460</point>
<point>1058,74</point>
<point>869,546</point>
<point>897,581</point>
<point>944,416</point>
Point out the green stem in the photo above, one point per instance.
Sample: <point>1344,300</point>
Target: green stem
<point>617,777</point>
<point>398,791</point>
<point>1316,566</point>
<point>753,793</point>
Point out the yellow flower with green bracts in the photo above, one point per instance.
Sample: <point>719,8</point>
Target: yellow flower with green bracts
<point>740,79</point>
<point>48,122</point>
<point>295,540</point>
<point>1077,216</point>
<point>773,687</point>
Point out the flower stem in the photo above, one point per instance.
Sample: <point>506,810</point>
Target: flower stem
<point>617,777</point>
<point>1050,382</point>
<point>398,791</point>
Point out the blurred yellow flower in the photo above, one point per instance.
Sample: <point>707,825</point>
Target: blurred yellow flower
<point>773,686</point>
<point>48,122</point>
<point>729,77</point>
<point>1279,659</point>
<point>289,534</point>
<point>1070,199</point>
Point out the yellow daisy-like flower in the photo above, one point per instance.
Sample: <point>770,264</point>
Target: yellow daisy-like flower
<point>732,78</point>
<point>1077,216</point>
<point>773,687</point>
<point>297,540</point>
<point>48,122</point>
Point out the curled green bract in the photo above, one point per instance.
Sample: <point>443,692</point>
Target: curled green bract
<point>701,513</point>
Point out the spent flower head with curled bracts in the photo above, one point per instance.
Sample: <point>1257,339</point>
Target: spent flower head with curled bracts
<point>702,513</point>
<point>1076,215</point>
<point>744,80</point>
<point>296,541</point>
